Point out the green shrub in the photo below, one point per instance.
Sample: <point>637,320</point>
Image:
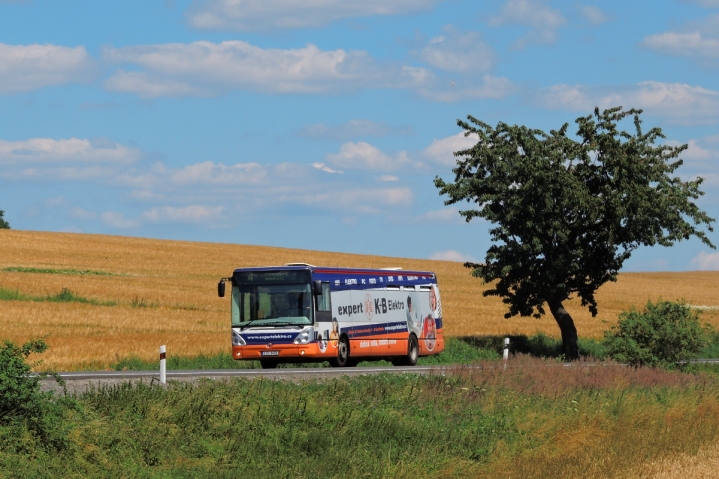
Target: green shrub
<point>21,401</point>
<point>664,334</point>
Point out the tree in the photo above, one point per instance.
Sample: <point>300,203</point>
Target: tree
<point>567,213</point>
<point>4,225</point>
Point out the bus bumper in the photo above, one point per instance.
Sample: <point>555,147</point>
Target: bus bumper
<point>280,351</point>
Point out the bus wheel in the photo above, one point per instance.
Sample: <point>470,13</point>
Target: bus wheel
<point>343,354</point>
<point>412,353</point>
<point>268,363</point>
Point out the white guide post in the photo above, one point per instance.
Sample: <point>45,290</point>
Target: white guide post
<point>163,367</point>
<point>505,356</point>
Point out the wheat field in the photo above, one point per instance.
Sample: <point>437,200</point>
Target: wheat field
<point>165,293</point>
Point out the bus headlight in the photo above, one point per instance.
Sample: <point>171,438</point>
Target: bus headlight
<point>237,340</point>
<point>305,336</point>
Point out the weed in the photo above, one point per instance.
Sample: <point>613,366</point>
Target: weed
<point>143,303</point>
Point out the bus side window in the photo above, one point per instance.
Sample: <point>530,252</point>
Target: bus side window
<point>323,300</point>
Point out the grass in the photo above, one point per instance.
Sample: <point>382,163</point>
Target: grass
<point>458,351</point>
<point>538,420</point>
<point>173,286</point>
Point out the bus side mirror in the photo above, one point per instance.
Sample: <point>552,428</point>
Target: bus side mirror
<point>317,287</point>
<point>221,288</point>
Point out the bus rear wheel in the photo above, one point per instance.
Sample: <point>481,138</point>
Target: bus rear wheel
<point>412,353</point>
<point>343,359</point>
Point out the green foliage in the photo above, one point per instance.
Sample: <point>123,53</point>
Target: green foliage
<point>4,225</point>
<point>21,401</point>
<point>567,213</point>
<point>22,269</point>
<point>64,296</point>
<point>12,295</point>
<point>712,348</point>
<point>663,334</point>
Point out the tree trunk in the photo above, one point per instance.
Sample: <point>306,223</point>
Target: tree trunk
<point>566,326</point>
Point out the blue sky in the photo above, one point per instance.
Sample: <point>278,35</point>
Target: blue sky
<point>321,124</point>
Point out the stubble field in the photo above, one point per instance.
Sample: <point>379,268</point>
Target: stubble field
<point>147,292</point>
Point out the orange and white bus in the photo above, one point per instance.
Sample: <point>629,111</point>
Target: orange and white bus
<point>300,312</point>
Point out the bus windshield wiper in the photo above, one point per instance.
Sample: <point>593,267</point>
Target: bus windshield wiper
<point>271,323</point>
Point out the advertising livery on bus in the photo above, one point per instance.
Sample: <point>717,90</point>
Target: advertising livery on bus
<point>300,312</point>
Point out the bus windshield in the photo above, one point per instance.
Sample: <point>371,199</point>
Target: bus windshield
<point>275,305</point>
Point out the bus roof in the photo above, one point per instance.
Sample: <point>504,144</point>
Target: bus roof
<point>339,271</point>
<point>344,278</point>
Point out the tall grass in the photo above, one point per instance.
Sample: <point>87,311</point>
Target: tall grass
<point>540,420</point>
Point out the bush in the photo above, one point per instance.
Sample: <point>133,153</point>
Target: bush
<point>664,334</point>
<point>21,401</point>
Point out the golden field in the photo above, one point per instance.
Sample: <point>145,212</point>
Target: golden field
<point>176,281</point>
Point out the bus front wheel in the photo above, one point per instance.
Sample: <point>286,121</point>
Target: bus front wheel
<point>268,363</point>
<point>343,354</point>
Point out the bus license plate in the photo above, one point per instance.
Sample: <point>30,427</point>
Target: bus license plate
<point>270,353</point>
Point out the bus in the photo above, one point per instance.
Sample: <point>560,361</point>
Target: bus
<point>305,313</point>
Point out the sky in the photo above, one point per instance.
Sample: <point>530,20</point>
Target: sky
<point>321,124</point>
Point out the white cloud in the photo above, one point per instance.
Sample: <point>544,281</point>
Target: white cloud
<point>458,52</point>
<point>704,3</point>
<point>58,201</point>
<point>468,88</point>
<point>594,14</point>
<point>699,41</point>
<point>678,102</point>
<point>442,151</point>
<point>48,150</point>
<point>29,67</point>
<point>145,195</point>
<point>82,214</point>
<point>185,214</point>
<point>706,261</point>
<point>353,129</point>
<point>325,168</point>
<point>206,68</point>
<point>256,15</point>
<point>211,173</point>
<point>114,219</point>
<point>695,154</point>
<point>388,178</point>
<point>444,215</point>
<point>363,156</point>
<point>544,21</point>
<point>452,255</point>
<point>360,200</point>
